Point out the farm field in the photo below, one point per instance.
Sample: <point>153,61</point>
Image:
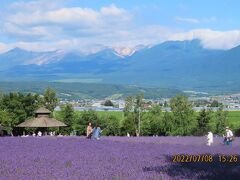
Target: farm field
<point>234,119</point>
<point>115,158</point>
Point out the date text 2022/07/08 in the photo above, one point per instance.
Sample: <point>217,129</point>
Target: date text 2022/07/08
<point>205,158</point>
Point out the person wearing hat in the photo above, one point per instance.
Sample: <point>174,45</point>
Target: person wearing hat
<point>209,138</point>
<point>228,138</point>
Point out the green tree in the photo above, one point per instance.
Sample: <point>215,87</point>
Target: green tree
<point>13,103</point>
<point>165,104</point>
<point>1,96</point>
<point>203,121</point>
<point>215,103</point>
<point>5,120</point>
<point>146,124</point>
<point>68,117</point>
<point>19,107</point>
<point>138,110</point>
<point>129,106</point>
<point>156,110</point>
<point>30,103</point>
<point>50,99</point>
<point>168,123</point>
<point>108,103</point>
<point>129,122</point>
<point>134,106</point>
<point>152,122</point>
<point>183,115</point>
<point>84,119</point>
<point>222,121</point>
<point>128,125</point>
<point>112,126</point>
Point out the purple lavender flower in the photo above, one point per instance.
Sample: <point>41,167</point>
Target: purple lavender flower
<point>113,158</point>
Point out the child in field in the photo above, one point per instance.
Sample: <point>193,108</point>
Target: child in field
<point>209,138</point>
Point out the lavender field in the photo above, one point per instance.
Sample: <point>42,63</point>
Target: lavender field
<point>112,158</point>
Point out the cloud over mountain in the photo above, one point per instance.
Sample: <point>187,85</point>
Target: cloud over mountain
<point>42,25</point>
<point>211,39</point>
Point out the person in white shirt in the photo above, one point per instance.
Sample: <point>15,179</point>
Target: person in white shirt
<point>228,138</point>
<point>209,138</point>
<point>39,133</point>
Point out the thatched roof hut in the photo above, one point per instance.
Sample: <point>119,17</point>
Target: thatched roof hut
<point>42,110</point>
<point>42,119</point>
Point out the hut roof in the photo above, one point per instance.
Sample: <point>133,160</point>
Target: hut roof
<point>42,121</point>
<point>42,110</point>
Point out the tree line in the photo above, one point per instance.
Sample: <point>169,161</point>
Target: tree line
<point>181,120</point>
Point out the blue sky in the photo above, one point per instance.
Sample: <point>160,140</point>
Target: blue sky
<point>90,25</point>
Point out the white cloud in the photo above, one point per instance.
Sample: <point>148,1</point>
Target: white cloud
<point>148,35</point>
<point>66,45</point>
<point>210,38</point>
<point>194,20</point>
<point>65,23</point>
<point>83,16</point>
<point>76,16</point>
<point>187,20</point>
<point>40,32</point>
<point>112,10</point>
<point>36,5</point>
<point>4,47</point>
<point>129,37</point>
<point>142,35</point>
<point>44,26</point>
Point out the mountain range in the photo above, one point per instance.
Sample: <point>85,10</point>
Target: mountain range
<point>173,64</point>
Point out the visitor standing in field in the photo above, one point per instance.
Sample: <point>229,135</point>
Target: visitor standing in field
<point>89,130</point>
<point>209,138</point>
<point>96,132</point>
<point>228,138</point>
<point>39,133</point>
